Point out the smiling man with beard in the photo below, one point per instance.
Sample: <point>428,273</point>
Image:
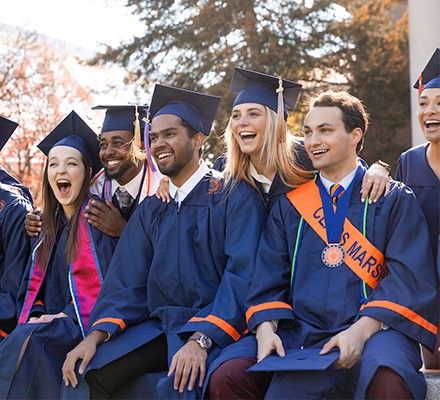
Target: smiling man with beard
<point>129,174</point>
<point>186,257</point>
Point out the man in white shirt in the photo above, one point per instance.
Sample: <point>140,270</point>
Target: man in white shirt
<point>185,258</point>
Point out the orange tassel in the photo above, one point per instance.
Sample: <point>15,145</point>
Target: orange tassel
<point>136,150</point>
<point>421,86</point>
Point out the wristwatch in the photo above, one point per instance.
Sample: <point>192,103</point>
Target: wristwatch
<point>204,341</point>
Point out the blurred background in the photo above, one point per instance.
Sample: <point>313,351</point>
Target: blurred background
<point>59,55</point>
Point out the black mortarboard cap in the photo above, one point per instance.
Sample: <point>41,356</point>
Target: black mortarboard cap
<point>7,128</point>
<point>73,131</point>
<point>430,76</point>
<point>257,87</point>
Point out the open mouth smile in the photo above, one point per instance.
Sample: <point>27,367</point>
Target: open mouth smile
<point>163,156</point>
<point>247,135</point>
<point>64,186</point>
<point>432,123</point>
<point>113,163</point>
<point>319,152</point>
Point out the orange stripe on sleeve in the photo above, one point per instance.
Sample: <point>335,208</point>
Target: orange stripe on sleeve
<point>38,303</point>
<point>3,333</point>
<point>116,321</point>
<point>406,312</point>
<point>266,306</point>
<point>222,324</point>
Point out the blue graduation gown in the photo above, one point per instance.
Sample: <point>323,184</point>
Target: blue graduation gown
<point>325,301</point>
<point>414,171</point>
<point>39,373</point>
<point>173,269</point>
<point>14,251</point>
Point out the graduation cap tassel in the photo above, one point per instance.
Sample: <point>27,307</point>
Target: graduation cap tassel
<point>136,151</point>
<point>137,129</point>
<point>147,143</point>
<point>280,123</point>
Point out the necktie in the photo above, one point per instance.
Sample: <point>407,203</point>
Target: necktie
<point>336,191</point>
<point>123,197</point>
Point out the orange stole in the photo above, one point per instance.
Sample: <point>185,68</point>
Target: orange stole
<point>365,260</point>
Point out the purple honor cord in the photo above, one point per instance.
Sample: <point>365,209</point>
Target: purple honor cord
<point>147,146</point>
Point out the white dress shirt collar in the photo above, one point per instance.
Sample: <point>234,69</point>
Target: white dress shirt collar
<point>133,187</point>
<point>344,182</point>
<point>179,193</point>
<point>266,183</point>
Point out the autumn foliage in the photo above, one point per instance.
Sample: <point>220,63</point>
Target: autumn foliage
<point>36,90</point>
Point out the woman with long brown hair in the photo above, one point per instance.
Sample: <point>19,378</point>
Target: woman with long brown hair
<point>65,272</point>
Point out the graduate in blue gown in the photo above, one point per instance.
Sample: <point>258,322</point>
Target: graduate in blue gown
<point>15,202</point>
<point>8,179</point>
<point>370,293</point>
<point>64,273</point>
<point>419,167</point>
<point>167,311</point>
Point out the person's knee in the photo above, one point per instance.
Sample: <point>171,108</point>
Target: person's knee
<point>92,376</point>
<point>222,377</point>
<point>388,384</point>
<point>95,382</point>
<point>232,381</point>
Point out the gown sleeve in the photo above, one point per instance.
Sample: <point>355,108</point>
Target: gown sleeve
<point>268,297</point>
<point>406,298</point>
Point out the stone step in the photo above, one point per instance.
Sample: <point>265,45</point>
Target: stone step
<point>433,382</point>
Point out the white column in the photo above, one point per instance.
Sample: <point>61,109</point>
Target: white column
<point>424,37</point>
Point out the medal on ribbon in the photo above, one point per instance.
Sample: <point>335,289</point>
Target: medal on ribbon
<point>333,254</point>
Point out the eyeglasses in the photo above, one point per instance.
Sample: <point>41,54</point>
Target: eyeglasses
<point>114,144</point>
